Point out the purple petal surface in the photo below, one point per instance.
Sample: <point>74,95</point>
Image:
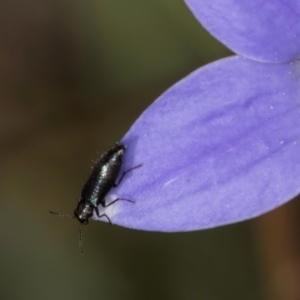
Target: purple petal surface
<point>220,146</point>
<point>258,29</point>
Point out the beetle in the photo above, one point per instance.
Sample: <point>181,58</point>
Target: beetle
<point>102,179</point>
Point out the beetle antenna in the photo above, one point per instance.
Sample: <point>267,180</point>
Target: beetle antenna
<point>61,215</point>
<point>80,239</point>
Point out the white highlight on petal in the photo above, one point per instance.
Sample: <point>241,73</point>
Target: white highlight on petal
<point>110,211</point>
<point>170,181</point>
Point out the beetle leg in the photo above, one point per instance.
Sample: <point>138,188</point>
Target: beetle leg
<point>106,216</point>
<point>103,215</point>
<point>124,173</point>
<point>106,205</point>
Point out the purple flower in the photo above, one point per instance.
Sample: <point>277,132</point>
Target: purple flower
<point>223,144</point>
<point>267,31</point>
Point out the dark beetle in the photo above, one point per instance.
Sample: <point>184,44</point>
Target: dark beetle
<point>101,180</point>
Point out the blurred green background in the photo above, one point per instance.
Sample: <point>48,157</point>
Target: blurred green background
<point>74,77</point>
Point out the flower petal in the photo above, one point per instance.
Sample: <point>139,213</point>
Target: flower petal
<point>262,30</point>
<point>220,146</point>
